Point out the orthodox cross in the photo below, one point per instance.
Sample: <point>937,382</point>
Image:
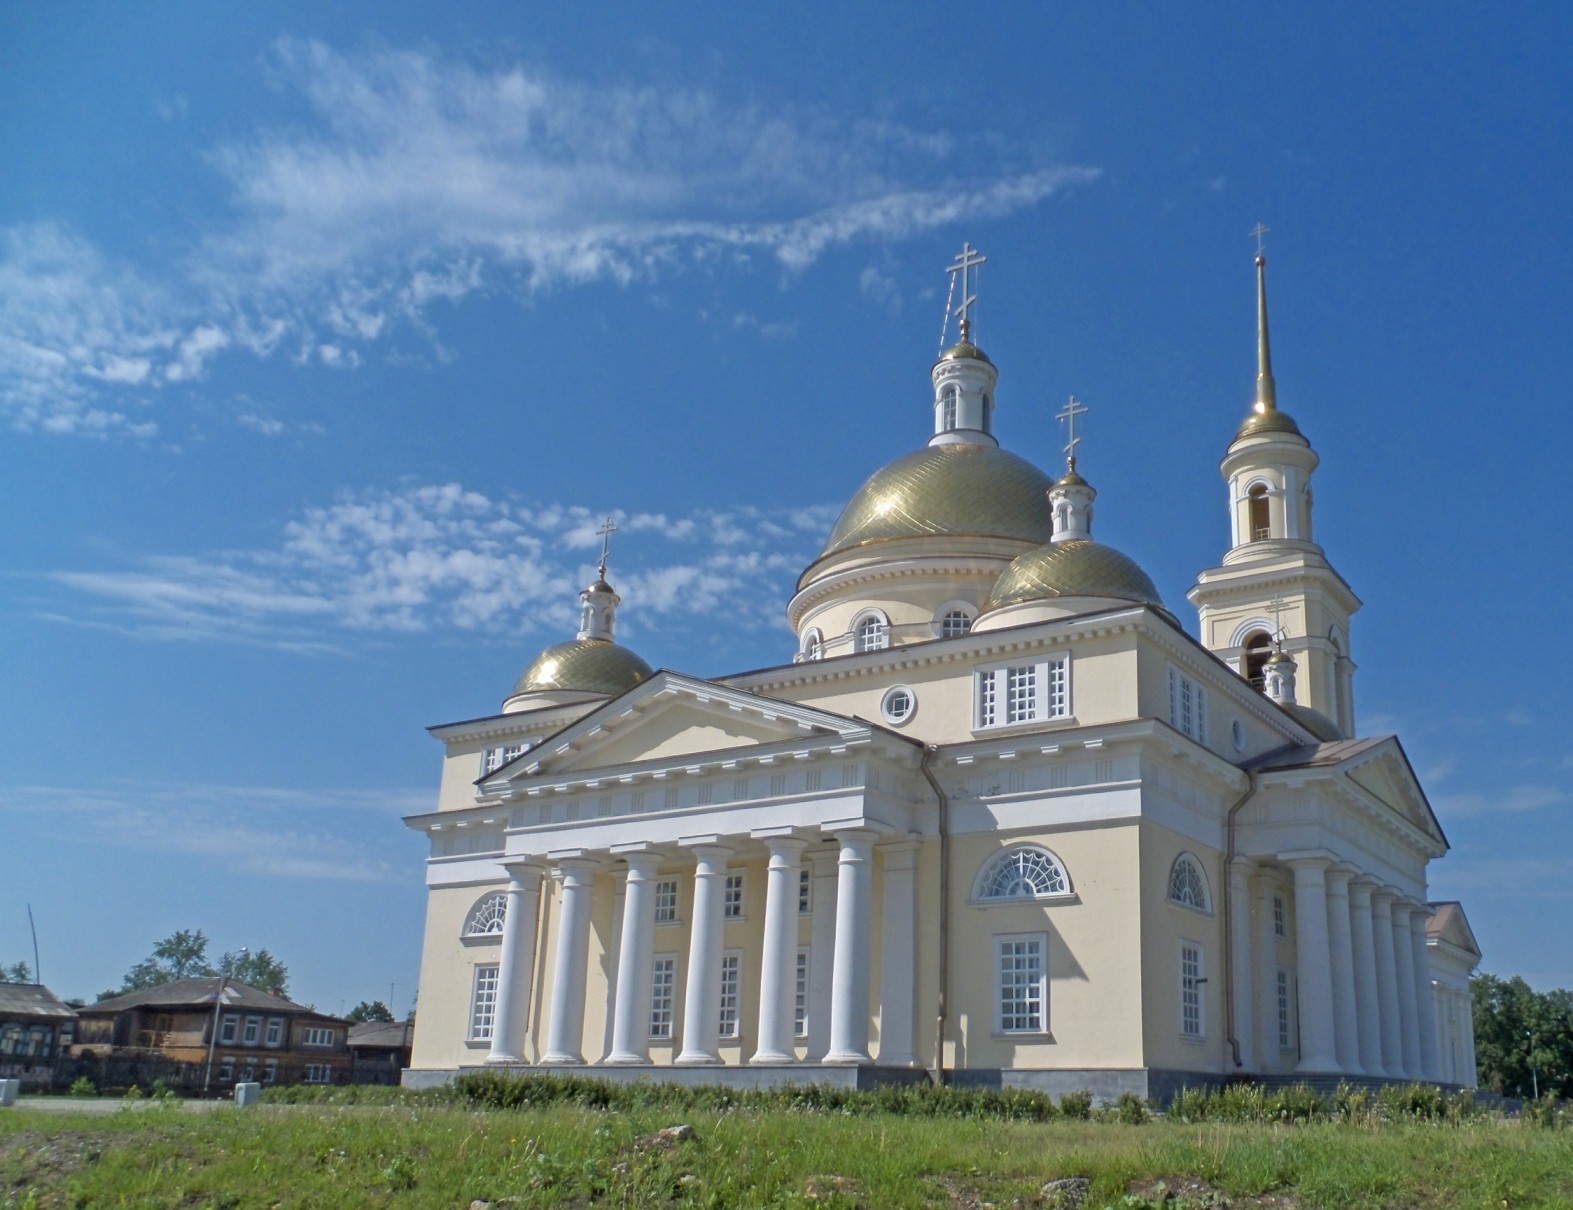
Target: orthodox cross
<point>1277,606</point>
<point>1258,231</point>
<point>966,264</point>
<point>1071,410</point>
<point>608,528</point>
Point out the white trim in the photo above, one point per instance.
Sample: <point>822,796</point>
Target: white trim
<point>992,863</point>
<point>937,623</point>
<point>998,691</point>
<point>1195,862</point>
<point>854,631</point>
<point>1193,988</point>
<point>891,698</point>
<point>1237,638</point>
<point>484,987</point>
<point>1022,1004</point>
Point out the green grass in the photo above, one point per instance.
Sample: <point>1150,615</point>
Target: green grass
<point>434,1152</point>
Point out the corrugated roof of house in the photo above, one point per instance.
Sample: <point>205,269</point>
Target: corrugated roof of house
<point>200,993</point>
<point>32,1000</point>
<point>392,1035</point>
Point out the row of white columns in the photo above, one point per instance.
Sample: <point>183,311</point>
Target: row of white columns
<point>1364,983</point>
<point>841,928</point>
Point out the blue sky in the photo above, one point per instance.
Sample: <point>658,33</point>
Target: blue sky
<point>326,338</point>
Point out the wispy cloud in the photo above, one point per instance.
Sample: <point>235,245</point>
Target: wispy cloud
<point>440,556</point>
<point>1511,799</point>
<point>411,179</point>
<point>276,832</point>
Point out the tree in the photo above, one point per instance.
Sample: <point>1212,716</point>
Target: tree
<point>260,969</point>
<point>1523,1038</point>
<point>374,1011</point>
<point>19,972</point>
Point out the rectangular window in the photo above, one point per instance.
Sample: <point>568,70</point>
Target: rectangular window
<point>275,1031</point>
<point>321,1035</point>
<point>270,1071</point>
<point>731,975</point>
<point>229,1030</point>
<point>1191,990</point>
<point>493,759</point>
<point>318,1073</point>
<point>805,885</point>
<point>1022,986</point>
<point>253,1030</point>
<point>666,901</point>
<point>226,1068</point>
<point>732,897</point>
<point>800,997</point>
<point>483,1005</point>
<point>1285,1037</point>
<point>1023,693</point>
<point>1187,706</point>
<point>663,980</point>
<point>1280,917</point>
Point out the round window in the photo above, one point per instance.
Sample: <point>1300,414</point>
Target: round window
<point>898,704</point>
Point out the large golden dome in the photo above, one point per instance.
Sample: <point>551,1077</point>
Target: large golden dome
<point>960,488</point>
<point>1078,568</point>
<point>585,666</point>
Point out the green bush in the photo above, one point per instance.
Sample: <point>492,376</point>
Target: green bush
<point>1077,1105</point>
<point>82,1087</point>
<point>1130,1109</point>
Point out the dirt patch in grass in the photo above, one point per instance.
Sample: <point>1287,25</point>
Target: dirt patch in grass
<point>1187,1193</point>
<point>33,1157</point>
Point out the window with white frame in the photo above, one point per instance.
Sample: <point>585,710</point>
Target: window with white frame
<point>897,705</point>
<point>732,898</point>
<point>666,901</point>
<point>800,996</point>
<point>226,1069</point>
<point>253,1033</point>
<point>483,1002</point>
<point>1280,917</point>
<point>493,759</point>
<point>318,1073</point>
<point>813,644</point>
<point>1187,883</point>
<point>270,1071</point>
<point>805,890</point>
<point>871,632</point>
<point>321,1035</point>
<point>1187,706</point>
<point>1023,983</point>
<point>487,917</point>
<point>1285,1034</point>
<point>949,408</point>
<point>229,1029</point>
<point>1191,980</point>
<point>731,982</point>
<point>663,982</point>
<point>275,1031</point>
<point>1023,693</point>
<point>954,623</point>
<point>1024,872</point>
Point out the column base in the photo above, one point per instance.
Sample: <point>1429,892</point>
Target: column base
<point>496,1060</point>
<point>848,1057</point>
<point>773,1057</point>
<point>1318,1067</point>
<point>697,1060</point>
<point>561,1060</point>
<point>627,1060</point>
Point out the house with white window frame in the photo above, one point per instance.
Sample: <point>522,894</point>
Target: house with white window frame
<point>1000,819</point>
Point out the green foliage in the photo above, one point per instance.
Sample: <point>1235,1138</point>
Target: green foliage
<point>184,955</point>
<point>1300,1103</point>
<point>1523,1038</point>
<point>82,1087</point>
<point>376,1010</point>
<point>1077,1105</point>
<point>17,972</point>
<point>1130,1109</point>
<point>260,969</point>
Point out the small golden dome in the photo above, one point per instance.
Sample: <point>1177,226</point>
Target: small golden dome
<point>586,666</point>
<point>1078,568</point>
<point>964,350</point>
<point>1314,721</point>
<point>958,488</point>
<point>1267,420</point>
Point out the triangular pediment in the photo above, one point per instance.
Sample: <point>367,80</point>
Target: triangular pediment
<point>673,719</point>
<point>1385,774</point>
<point>1449,925</point>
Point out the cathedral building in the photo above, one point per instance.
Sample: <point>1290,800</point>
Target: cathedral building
<point>1000,819</point>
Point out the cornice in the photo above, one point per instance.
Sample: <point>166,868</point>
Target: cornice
<point>818,591</point>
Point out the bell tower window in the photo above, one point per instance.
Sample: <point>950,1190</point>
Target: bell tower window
<point>1256,502</point>
<point>949,409</point>
<point>1257,648</point>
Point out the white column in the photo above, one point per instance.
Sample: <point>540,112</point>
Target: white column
<point>1408,1008</point>
<point>1313,959</point>
<point>1269,1053</point>
<point>1470,1077</point>
<point>1368,1003</point>
<point>565,1030</point>
<point>778,962</point>
<point>1425,997</point>
<point>821,952</point>
<point>1241,964</point>
<point>1387,981</point>
<point>631,1007</point>
<point>513,966</point>
<point>849,979</point>
<point>1345,1015</point>
<point>898,956</point>
<point>702,996</point>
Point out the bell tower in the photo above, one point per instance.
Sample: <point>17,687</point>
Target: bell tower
<point>1274,582</point>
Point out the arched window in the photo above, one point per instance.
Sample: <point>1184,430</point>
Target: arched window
<point>1187,883</point>
<point>1025,872</point>
<point>988,413</point>
<point>1257,648</point>
<point>954,623</point>
<point>949,408</point>
<point>1260,524</point>
<point>813,645</point>
<point>487,916</point>
<point>871,632</point>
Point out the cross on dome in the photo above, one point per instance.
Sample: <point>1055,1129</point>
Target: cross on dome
<point>608,528</point>
<point>1068,414</point>
<point>1258,231</point>
<point>966,264</point>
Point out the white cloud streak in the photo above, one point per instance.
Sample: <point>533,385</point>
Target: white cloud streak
<point>413,179</point>
<point>377,564</point>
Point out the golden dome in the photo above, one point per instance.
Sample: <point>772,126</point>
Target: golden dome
<point>959,488</point>
<point>964,350</point>
<point>1267,420</point>
<point>1078,568</point>
<point>586,666</point>
<point>1314,721</point>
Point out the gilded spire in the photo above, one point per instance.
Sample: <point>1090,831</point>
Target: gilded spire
<point>1265,416</point>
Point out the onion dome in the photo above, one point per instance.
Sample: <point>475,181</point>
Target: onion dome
<point>964,350</point>
<point>1077,568</point>
<point>954,489</point>
<point>584,666</point>
<point>1314,721</point>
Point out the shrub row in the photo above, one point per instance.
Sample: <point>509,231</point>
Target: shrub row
<point>1300,1103</point>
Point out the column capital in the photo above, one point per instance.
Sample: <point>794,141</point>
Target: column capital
<point>1243,865</point>
<point>712,842</point>
<point>1307,859</point>
<point>523,869</point>
<point>1338,878</point>
<point>1385,896</point>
